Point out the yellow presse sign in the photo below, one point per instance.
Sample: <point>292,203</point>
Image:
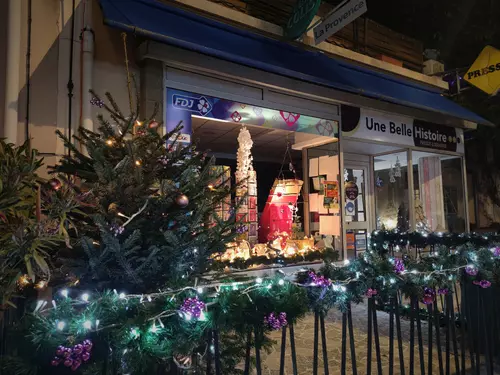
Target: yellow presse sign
<point>485,72</point>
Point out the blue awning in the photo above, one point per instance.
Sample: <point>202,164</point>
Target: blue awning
<point>168,24</point>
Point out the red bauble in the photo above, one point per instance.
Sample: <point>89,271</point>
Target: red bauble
<point>153,124</point>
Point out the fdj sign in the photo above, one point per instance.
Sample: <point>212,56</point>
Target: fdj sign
<point>192,104</point>
<point>301,17</point>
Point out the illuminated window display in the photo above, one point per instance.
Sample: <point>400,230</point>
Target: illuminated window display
<point>298,189</point>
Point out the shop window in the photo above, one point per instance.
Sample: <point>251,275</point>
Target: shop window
<point>439,192</point>
<point>323,200</point>
<point>391,191</point>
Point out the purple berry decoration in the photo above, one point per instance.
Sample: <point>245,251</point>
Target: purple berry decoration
<point>56,361</point>
<point>76,363</point>
<point>85,356</point>
<point>67,352</point>
<point>68,362</point>
<point>87,345</point>
<point>60,350</point>
<point>78,349</point>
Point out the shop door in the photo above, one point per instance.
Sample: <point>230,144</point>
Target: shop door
<point>357,207</point>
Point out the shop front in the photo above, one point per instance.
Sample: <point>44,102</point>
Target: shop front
<point>312,188</point>
<point>321,152</point>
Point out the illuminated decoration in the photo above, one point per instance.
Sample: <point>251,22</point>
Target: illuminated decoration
<point>246,191</point>
<point>277,216</point>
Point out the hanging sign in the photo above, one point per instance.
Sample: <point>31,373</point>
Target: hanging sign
<point>396,129</point>
<point>342,16</point>
<point>351,190</point>
<point>485,72</point>
<point>301,17</point>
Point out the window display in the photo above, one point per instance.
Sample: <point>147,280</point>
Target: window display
<point>439,191</point>
<point>391,191</point>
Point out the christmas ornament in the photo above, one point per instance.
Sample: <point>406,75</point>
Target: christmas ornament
<point>276,322</point>
<point>117,229</point>
<point>72,357</point>
<point>429,294</point>
<point>397,168</point>
<point>319,280</point>
<point>371,292</point>
<point>483,283</point>
<point>443,291</point>
<point>471,270</point>
<point>496,251</point>
<point>182,200</point>
<point>153,124</point>
<point>399,266</point>
<point>192,307</point>
<point>391,175</point>
<point>55,183</point>
<point>113,207</point>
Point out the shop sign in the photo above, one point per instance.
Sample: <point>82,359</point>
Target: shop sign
<point>351,190</point>
<point>342,16</point>
<point>400,130</point>
<point>182,105</point>
<point>485,72</point>
<point>302,15</point>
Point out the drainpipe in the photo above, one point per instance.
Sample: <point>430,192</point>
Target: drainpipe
<point>87,40</point>
<point>12,71</point>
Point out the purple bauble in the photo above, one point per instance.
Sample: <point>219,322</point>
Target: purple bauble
<point>85,356</point>
<point>68,362</point>
<point>78,349</point>
<point>56,361</point>
<point>471,270</point>
<point>76,364</point>
<point>87,345</point>
<point>60,350</point>
<point>67,352</point>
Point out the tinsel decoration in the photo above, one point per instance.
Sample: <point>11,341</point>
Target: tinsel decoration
<point>73,357</point>
<point>192,308</point>
<point>274,322</point>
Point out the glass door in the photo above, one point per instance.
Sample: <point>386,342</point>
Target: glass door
<point>357,207</point>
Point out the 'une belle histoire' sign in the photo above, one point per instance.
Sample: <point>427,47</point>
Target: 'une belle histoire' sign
<point>485,72</point>
<point>361,123</point>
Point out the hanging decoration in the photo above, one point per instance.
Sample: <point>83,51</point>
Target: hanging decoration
<point>397,168</point>
<point>392,178</point>
<point>246,191</point>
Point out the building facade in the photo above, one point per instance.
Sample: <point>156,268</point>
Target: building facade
<point>374,144</point>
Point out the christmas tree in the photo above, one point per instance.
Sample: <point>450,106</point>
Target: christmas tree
<point>145,227</point>
<point>402,224</point>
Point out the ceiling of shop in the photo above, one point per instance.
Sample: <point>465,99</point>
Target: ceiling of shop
<point>222,138</point>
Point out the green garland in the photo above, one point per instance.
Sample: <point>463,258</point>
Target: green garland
<point>143,330</point>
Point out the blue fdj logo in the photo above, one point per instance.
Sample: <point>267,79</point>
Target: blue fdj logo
<point>200,105</point>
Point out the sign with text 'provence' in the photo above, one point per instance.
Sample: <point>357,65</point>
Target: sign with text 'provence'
<point>485,72</point>
<point>362,123</point>
<point>301,17</point>
<point>342,16</point>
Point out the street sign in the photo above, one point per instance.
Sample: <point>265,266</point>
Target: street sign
<point>485,72</point>
<point>342,16</point>
<point>301,17</point>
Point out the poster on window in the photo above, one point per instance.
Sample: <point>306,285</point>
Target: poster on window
<point>331,197</point>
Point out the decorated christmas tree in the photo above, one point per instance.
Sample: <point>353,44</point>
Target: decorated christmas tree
<point>146,226</point>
